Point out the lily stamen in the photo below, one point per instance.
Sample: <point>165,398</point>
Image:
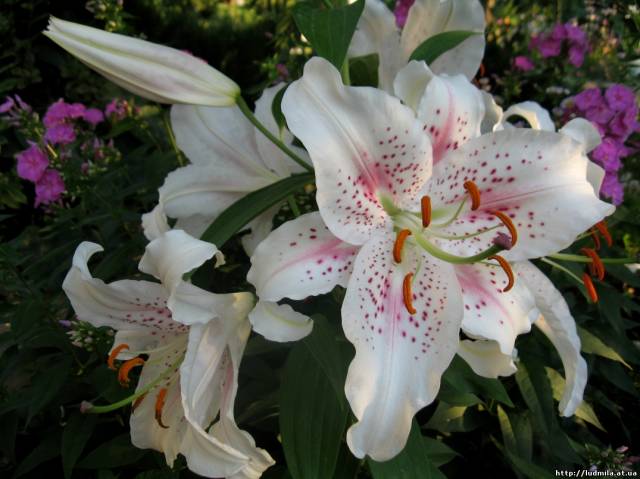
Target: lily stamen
<point>137,402</point>
<point>604,231</point>
<point>407,295</point>
<point>114,354</point>
<point>123,372</point>
<point>159,405</point>
<point>425,209</point>
<point>474,194</point>
<point>591,289</point>
<point>399,244</point>
<point>595,237</point>
<point>596,267</point>
<point>504,264</point>
<point>506,221</point>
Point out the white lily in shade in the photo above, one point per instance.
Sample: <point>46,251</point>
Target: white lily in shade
<point>229,159</point>
<point>397,227</point>
<point>153,71</point>
<point>194,342</point>
<point>377,33</point>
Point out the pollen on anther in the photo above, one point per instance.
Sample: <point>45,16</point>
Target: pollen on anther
<point>425,209</point>
<point>474,194</point>
<point>591,289</point>
<point>596,267</point>
<point>506,221</point>
<point>114,354</point>
<point>399,244</point>
<point>123,372</point>
<point>159,406</point>
<point>504,264</point>
<point>407,296</point>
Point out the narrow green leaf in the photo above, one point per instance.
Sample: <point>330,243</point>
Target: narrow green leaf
<point>114,453</point>
<point>43,452</point>
<point>312,416</point>
<point>236,217</point>
<point>439,453</point>
<point>74,437</point>
<point>328,30</point>
<point>526,468</point>
<point>508,436</point>
<point>438,44</point>
<point>276,108</point>
<point>46,385</point>
<point>461,378</point>
<point>363,70</point>
<point>412,463</point>
<point>591,344</point>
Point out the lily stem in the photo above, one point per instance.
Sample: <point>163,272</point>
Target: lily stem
<point>584,259</point>
<point>561,268</point>
<point>244,108</point>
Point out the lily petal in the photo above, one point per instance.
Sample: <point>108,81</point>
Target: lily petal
<point>279,322</point>
<point>377,33</point>
<point>537,117</point>
<point>585,133</point>
<point>126,304</point>
<point>399,357</point>
<point>154,223</point>
<point>429,17</point>
<point>559,326</point>
<point>152,71</point>
<point>537,178</point>
<point>365,145</point>
<point>301,258</point>
<point>168,258</point>
<point>486,359</point>
<point>490,313</point>
<point>260,228</point>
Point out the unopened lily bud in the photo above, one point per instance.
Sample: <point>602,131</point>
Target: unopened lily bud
<point>85,406</point>
<point>152,71</point>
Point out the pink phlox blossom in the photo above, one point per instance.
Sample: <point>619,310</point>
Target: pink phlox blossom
<point>523,63</point>
<point>49,187</point>
<point>62,134</point>
<point>31,163</point>
<point>401,11</point>
<point>93,116</point>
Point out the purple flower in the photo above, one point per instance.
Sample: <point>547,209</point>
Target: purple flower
<point>93,116</point>
<point>117,108</point>
<point>559,32</point>
<point>62,134</point>
<point>549,47</point>
<point>401,11</point>
<point>576,55</point>
<point>588,99</point>
<point>7,105</point>
<point>49,188</point>
<point>608,154</point>
<point>31,163</point>
<point>620,97</point>
<point>600,114</point>
<point>612,188</point>
<point>575,34</point>
<point>523,63</point>
<point>60,111</point>
<point>624,123</point>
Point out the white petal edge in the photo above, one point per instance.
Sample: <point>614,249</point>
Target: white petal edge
<point>279,322</point>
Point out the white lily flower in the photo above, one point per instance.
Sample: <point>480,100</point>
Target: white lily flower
<point>393,190</point>
<point>194,341</point>
<point>156,72</point>
<point>229,159</point>
<point>377,33</point>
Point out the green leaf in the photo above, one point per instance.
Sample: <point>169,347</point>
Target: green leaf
<point>363,70</point>
<point>584,411</point>
<point>460,377</point>
<point>114,453</point>
<point>527,468</point>
<point>593,345</point>
<point>276,108</point>
<point>236,217</point>
<point>412,463</point>
<point>312,416</point>
<point>439,453</point>
<point>328,31</point>
<point>74,437</point>
<point>43,452</point>
<point>448,418</point>
<point>438,44</point>
<point>46,385</point>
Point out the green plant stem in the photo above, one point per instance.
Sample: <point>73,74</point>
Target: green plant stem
<point>244,108</point>
<point>561,268</point>
<point>344,72</point>
<point>293,205</point>
<point>172,139</point>
<point>584,259</point>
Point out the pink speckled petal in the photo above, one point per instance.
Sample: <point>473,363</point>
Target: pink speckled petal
<point>301,258</point>
<point>364,145</point>
<point>537,178</point>
<point>490,313</point>
<point>399,357</point>
<point>122,305</point>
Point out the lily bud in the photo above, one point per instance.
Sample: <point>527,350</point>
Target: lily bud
<point>152,71</point>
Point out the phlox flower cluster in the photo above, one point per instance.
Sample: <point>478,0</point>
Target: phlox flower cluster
<point>51,140</point>
<point>564,38</point>
<point>614,111</point>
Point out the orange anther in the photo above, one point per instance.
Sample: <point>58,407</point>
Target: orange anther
<point>114,354</point>
<point>407,295</point>
<point>137,402</point>
<point>425,208</point>
<point>506,221</point>
<point>595,238</point>
<point>123,372</point>
<point>507,269</point>
<point>596,267</point>
<point>159,405</point>
<point>604,231</point>
<point>591,289</point>
<point>399,244</point>
<point>474,194</point>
